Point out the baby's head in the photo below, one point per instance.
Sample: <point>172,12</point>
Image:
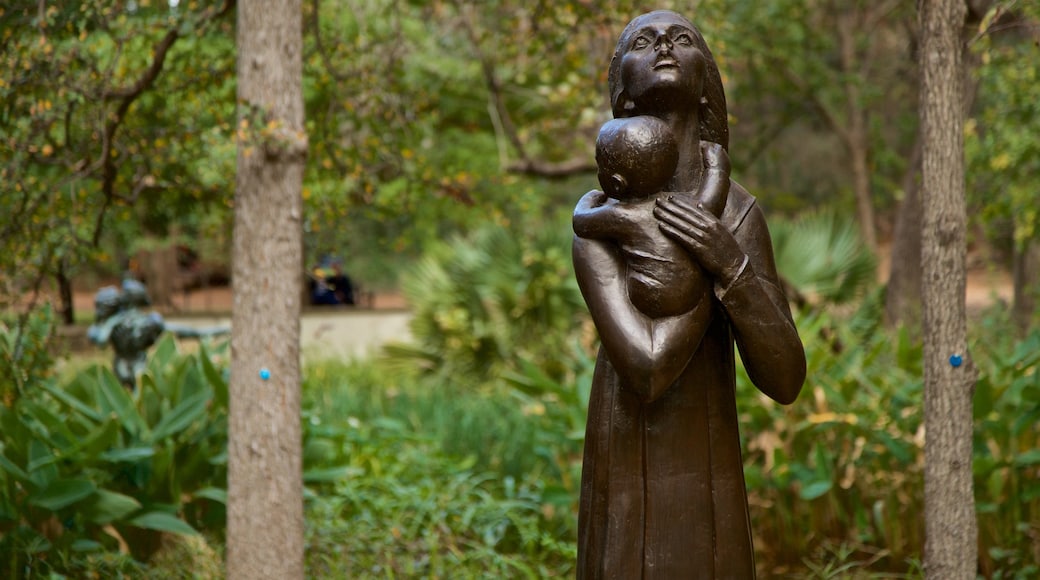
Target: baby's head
<point>636,156</point>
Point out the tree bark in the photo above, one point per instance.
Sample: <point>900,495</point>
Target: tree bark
<point>951,531</point>
<point>903,294</point>
<point>857,141</point>
<point>265,482</point>
<point>1026,272</point>
<point>68,307</point>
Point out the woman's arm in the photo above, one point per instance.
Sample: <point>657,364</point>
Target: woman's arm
<point>748,288</point>
<point>649,354</point>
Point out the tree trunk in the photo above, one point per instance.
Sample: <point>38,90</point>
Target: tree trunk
<point>1026,274</point>
<point>857,139</point>
<point>864,198</point>
<point>903,294</point>
<point>161,270</point>
<point>68,307</point>
<point>951,531</point>
<point>265,482</point>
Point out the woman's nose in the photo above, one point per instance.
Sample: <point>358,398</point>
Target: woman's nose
<point>663,43</point>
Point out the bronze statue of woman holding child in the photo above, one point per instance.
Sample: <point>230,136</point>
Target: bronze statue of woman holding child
<point>662,493</point>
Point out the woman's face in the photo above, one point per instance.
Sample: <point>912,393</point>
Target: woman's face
<point>662,55</point>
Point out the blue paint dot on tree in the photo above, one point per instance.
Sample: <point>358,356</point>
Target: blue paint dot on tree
<point>265,374</point>
<point>956,360</point>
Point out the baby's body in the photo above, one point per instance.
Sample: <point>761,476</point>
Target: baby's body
<point>636,158</point>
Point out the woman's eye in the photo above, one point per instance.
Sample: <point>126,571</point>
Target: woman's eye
<point>640,42</point>
<point>684,39</point>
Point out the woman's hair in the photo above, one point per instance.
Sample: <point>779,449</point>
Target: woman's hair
<point>714,122</point>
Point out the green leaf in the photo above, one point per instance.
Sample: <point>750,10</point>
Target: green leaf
<point>101,438</point>
<point>212,493</point>
<point>129,455</point>
<point>215,378</point>
<point>815,489</point>
<point>13,469</point>
<point>41,464</point>
<point>165,351</point>
<point>107,506</point>
<point>330,475</point>
<point>52,423</point>
<point>1031,457</point>
<point>186,413</point>
<point>63,493</point>
<point>72,402</point>
<point>116,395</point>
<point>85,545</point>
<point>163,522</point>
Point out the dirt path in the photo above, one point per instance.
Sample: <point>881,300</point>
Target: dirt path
<point>351,332</point>
<point>218,299</point>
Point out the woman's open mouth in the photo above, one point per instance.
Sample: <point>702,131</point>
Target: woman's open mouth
<point>666,63</point>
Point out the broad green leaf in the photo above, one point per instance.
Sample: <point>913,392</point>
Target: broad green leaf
<point>72,402</point>
<point>41,464</point>
<point>163,522</point>
<point>164,352</point>
<point>47,419</point>
<point>129,454</point>
<point>119,400</point>
<point>85,545</point>
<point>1031,457</point>
<point>63,493</point>
<point>100,439</point>
<point>106,506</point>
<point>212,493</point>
<point>186,413</point>
<point>213,375</point>
<point>815,489</point>
<point>330,475</point>
<point>13,469</point>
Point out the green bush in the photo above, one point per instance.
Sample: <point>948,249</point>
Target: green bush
<point>497,296</point>
<point>407,509</point>
<point>841,470</point>
<point>89,467</point>
<point>24,354</point>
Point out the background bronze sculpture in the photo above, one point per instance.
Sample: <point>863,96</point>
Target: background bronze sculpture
<point>662,492</point>
<point>131,332</point>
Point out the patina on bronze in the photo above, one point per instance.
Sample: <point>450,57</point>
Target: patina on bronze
<point>131,332</point>
<point>662,493</point>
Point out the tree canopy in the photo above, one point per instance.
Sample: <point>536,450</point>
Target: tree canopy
<point>427,117</point>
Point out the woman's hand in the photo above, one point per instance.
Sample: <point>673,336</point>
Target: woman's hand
<point>702,235</point>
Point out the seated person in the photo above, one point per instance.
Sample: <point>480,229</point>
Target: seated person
<point>637,156</point>
<point>321,293</point>
<point>340,285</point>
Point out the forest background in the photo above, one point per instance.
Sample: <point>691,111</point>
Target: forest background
<point>429,120</point>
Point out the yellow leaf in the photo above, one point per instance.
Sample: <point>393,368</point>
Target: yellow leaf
<point>1000,162</point>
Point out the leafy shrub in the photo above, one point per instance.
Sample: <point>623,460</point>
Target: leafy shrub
<point>1007,450</point>
<point>88,467</point>
<point>24,354</point>
<point>405,508</point>
<point>843,465</point>
<point>482,302</point>
<point>841,470</point>
<point>822,258</point>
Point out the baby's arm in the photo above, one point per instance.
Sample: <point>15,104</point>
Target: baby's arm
<point>595,214</point>
<point>715,188</point>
